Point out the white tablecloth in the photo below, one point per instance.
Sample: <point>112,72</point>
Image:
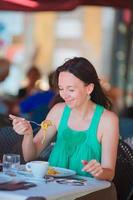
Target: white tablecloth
<point>55,191</point>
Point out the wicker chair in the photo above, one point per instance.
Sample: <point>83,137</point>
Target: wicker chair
<point>123,179</point>
<point>10,142</point>
<point>126,130</point>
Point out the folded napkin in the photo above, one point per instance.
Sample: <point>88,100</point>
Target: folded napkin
<point>16,185</point>
<point>36,198</point>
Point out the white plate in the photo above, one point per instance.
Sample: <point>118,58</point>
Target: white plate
<point>4,178</point>
<point>63,172</point>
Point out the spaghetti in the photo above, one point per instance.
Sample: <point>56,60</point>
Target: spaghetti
<point>44,125</point>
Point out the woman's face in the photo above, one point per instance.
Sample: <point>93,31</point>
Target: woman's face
<point>72,89</point>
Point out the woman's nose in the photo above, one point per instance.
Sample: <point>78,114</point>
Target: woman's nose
<point>65,95</point>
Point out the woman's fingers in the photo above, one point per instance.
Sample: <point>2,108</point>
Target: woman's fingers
<point>93,167</point>
<point>90,165</point>
<point>84,162</point>
<point>11,116</point>
<point>98,172</point>
<point>20,125</point>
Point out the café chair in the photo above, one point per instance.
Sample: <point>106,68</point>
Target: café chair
<point>123,179</point>
<point>130,196</point>
<point>4,121</point>
<point>10,142</point>
<point>44,155</point>
<point>126,130</point>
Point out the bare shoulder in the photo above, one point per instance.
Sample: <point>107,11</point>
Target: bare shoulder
<point>58,108</point>
<point>109,122</point>
<point>55,113</point>
<point>59,105</point>
<point>109,116</point>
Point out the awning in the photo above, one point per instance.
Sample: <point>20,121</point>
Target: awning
<point>59,5</point>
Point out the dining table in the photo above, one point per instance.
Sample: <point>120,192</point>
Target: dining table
<point>54,188</point>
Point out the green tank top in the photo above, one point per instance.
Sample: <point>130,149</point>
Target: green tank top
<point>72,146</point>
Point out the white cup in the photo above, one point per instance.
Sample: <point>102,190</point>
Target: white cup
<point>38,168</point>
<point>11,162</point>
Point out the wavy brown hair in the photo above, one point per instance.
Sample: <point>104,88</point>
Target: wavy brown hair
<point>85,71</point>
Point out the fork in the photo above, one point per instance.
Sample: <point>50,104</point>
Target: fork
<point>33,122</point>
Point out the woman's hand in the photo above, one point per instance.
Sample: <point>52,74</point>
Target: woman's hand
<point>93,167</point>
<point>20,125</point>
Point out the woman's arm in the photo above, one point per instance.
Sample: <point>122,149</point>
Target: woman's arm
<point>110,141</point>
<point>33,146</point>
<point>108,134</point>
<point>23,127</point>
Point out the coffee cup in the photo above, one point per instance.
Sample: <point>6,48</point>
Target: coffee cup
<point>38,168</point>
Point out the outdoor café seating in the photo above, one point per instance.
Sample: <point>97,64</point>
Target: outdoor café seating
<point>123,179</point>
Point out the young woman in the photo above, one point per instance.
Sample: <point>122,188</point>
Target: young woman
<point>87,131</point>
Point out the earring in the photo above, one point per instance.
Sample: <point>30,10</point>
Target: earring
<point>88,97</point>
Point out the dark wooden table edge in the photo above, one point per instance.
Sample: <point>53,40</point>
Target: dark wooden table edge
<point>104,194</point>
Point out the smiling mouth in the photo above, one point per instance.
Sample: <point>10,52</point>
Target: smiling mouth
<point>67,101</point>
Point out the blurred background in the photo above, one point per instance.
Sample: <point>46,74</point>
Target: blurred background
<point>37,36</point>
<point>44,39</point>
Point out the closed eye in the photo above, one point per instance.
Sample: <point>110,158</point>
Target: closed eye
<point>60,89</point>
<point>71,90</point>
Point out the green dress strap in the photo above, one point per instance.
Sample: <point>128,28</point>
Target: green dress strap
<point>96,118</point>
<point>64,118</point>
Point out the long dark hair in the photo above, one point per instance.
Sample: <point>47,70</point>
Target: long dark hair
<point>84,70</point>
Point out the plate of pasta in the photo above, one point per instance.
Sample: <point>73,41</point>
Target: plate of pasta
<point>52,171</point>
<point>60,172</point>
